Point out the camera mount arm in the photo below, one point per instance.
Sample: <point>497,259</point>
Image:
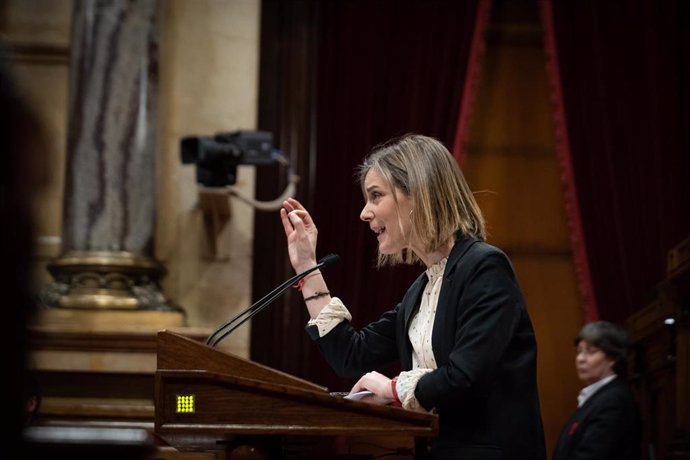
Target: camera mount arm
<point>272,205</point>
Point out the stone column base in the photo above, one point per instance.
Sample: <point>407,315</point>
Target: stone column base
<point>115,280</point>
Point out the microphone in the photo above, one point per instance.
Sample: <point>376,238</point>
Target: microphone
<point>266,300</point>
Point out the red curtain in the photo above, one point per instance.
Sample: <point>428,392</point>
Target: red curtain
<point>477,48</point>
<point>619,74</point>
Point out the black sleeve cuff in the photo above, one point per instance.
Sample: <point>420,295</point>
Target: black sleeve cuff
<point>313,331</point>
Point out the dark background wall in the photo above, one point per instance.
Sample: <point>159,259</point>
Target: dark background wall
<point>340,77</point>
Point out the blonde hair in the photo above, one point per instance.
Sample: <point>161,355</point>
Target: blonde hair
<point>443,205</point>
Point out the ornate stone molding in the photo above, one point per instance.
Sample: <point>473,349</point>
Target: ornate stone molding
<point>106,280</point>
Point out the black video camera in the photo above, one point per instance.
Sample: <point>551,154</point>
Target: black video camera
<point>216,157</point>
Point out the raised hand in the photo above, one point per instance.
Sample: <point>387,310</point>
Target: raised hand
<point>301,234</point>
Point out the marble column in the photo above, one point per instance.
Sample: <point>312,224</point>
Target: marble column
<point>109,197</point>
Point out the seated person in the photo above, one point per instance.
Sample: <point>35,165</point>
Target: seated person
<point>606,424</point>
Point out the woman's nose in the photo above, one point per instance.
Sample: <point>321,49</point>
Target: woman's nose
<point>366,215</point>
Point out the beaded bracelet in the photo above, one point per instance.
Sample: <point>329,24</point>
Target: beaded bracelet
<point>394,389</point>
<point>317,295</point>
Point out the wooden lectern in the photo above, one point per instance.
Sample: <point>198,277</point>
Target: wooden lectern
<point>207,399</point>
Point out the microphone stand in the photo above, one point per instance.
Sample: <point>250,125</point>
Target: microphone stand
<point>266,300</point>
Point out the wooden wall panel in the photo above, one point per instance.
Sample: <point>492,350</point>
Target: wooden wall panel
<point>511,163</point>
<point>512,108</point>
<point>520,188</point>
<point>548,283</point>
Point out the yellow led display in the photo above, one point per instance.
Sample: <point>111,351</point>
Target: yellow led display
<point>185,404</point>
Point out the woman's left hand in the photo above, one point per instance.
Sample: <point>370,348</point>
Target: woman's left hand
<point>378,384</point>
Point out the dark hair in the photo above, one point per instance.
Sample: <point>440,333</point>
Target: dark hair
<point>610,338</point>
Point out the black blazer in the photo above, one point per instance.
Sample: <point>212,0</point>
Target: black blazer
<point>485,388</point>
<point>606,427</point>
